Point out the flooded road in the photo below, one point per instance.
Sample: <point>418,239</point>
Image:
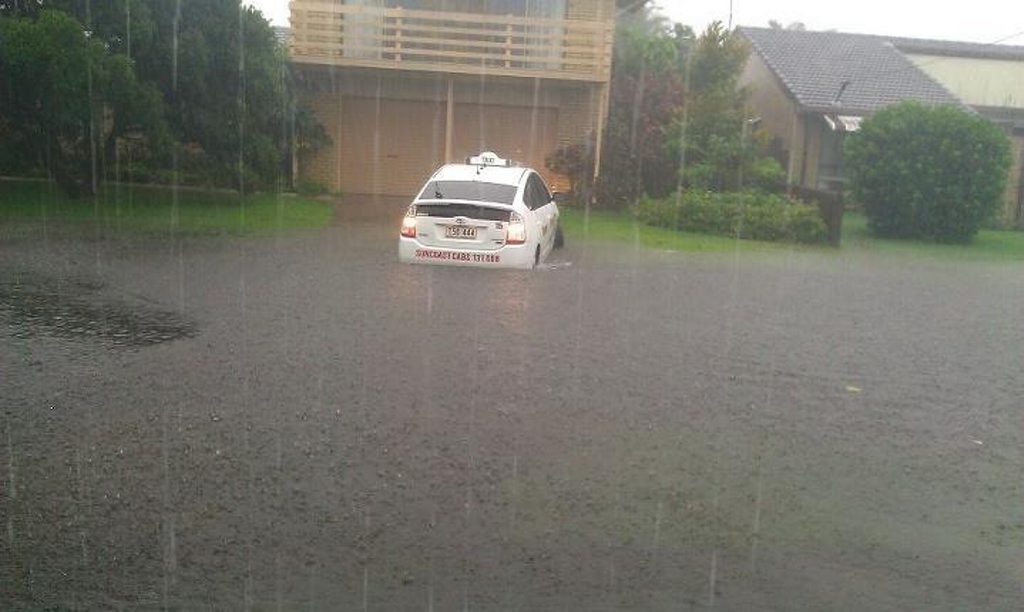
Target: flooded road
<point>75,310</point>
<point>300,421</point>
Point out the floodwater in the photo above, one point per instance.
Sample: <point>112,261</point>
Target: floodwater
<point>299,421</point>
<point>75,310</point>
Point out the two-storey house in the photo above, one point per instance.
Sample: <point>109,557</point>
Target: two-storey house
<point>403,86</point>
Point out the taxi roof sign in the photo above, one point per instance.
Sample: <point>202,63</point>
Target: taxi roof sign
<point>488,158</point>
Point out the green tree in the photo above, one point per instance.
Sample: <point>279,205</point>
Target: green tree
<point>225,92</point>
<point>645,94</point>
<point>721,144</point>
<point>928,172</point>
<point>63,95</point>
<point>222,75</point>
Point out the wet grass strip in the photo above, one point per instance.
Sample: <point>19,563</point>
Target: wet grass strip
<point>149,209</point>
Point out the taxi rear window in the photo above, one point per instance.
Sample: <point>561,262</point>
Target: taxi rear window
<point>469,190</point>
<point>462,210</point>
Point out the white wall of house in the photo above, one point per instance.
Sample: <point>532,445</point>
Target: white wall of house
<point>978,82</point>
<point>987,84</point>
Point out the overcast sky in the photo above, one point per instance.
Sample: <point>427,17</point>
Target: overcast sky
<point>970,20</point>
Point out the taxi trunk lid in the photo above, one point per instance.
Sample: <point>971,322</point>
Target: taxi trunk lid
<point>462,225</point>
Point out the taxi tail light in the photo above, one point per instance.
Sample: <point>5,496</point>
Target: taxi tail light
<point>409,222</point>
<point>516,233</point>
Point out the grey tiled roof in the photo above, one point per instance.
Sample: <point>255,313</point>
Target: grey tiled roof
<point>814,65</point>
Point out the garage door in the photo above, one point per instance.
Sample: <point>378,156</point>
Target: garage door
<point>521,134</point>
<point>390,147</point>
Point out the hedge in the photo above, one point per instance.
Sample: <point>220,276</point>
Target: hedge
<point>748,215</point>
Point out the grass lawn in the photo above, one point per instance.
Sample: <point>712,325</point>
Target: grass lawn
<point>988,245</point>
<point>152,209</point>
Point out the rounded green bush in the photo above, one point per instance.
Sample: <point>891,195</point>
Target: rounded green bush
<point>750,215</point>
<point>928,172</point>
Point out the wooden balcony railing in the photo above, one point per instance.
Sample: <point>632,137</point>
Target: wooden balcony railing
<point>326,32</point>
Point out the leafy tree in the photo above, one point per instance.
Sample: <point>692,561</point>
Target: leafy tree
<point>721,144</point>
<point>224,92</point>
<point>645,93</point>
<point>650,105</point>
<point>222,76</point>
<point>63,94</point>
<point>928,172</point>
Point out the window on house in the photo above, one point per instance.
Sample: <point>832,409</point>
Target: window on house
<point>831,175</point>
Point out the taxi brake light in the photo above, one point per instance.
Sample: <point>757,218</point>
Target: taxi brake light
<point>516,233</point>
<point>409,222</point>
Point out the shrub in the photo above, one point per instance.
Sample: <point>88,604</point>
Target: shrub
<point>575,162</point>
<point>750,215</point>
<point>767,174</point>
<point>310,187</point>
<point>658,212</point>
<point>928,172</point>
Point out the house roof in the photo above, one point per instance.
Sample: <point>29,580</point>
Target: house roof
<point>959,49</point>
<point>813,67</point>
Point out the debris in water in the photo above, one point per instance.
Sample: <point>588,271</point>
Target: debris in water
<point>852,389</point>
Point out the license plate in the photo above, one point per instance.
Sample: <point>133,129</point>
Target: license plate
<point>460,232</point>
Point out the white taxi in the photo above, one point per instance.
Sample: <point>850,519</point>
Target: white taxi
<point>486,212</point>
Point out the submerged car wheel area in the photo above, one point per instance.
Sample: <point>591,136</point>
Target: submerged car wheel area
<point>486,212</point>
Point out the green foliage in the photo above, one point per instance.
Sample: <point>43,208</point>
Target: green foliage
<point>645,40</point>
<point>227,91</point>
<point>623,226</point>
<point>714,128</point>
<point>310,136</point>
<point>642,140</point>
<point>63,95</point>
<point>718,60</point>
<point>309,187</point>
<point>749,215</point>
<point>575,161</point>
<point>206,75</point>
<point>928,172</point>
<point>721,148</point>
<point>766,174</point>
<point>646,93</point>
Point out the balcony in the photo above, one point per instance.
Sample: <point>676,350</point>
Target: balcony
<point>334,34</point>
